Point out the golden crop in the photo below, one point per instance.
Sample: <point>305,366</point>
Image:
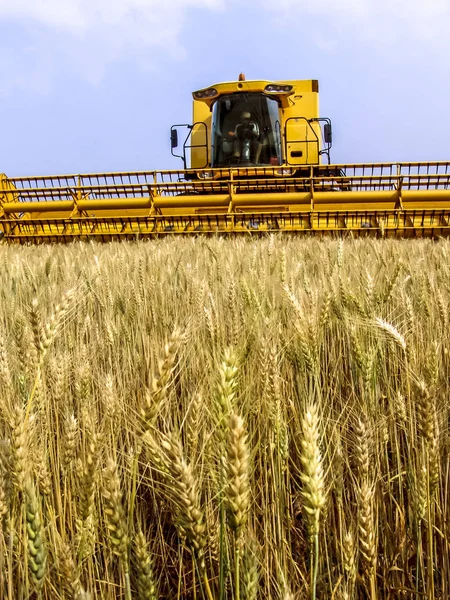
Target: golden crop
<point>225,419</point>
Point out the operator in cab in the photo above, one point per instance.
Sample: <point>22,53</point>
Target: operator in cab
<point>246,134</point>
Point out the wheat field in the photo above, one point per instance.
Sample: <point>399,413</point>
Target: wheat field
<point>225,419</point>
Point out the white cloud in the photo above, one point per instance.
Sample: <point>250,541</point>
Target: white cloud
<point>149,22</point>
<point>87,35</point>
<point>378,21</point>
<point>80,16</point>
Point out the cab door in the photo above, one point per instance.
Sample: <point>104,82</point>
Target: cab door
<point>302,141</point>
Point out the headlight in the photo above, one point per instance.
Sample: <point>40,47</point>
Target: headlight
<point>206,175</point>
<point>278,89</point>
<point>209,93</point>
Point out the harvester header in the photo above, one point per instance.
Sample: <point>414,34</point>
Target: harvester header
<point>256,159</point>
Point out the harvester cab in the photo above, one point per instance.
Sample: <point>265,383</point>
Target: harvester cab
<point>255,124</point>
<point>256,159</point>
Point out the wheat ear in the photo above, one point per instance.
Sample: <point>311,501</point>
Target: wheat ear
<point>237,493</point>
<point>392,332</point>
<point>146,585</point>
<point>88,477</point>
<point>312,474</point>
<point>250,572</point>
<point>366,531</point>
<point>161,381</point>
<point>114,512</point>
<point>184,492</point>
<point>37,553</point>
<point>226,386</point>
<point>19,447</point>
<point>313,491</point>
<point>69,572</point>
<point>70,446</point>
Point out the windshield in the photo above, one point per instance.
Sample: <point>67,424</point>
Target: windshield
<point>246,131</point>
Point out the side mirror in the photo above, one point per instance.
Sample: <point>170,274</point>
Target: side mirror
<point>327,133</point>
<point>173,138</point>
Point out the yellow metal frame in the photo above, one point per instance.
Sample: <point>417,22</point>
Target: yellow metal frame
<point>400,199</point>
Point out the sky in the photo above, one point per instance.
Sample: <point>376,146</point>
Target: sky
<point>94,85</point>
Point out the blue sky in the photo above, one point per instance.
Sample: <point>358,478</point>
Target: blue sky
<point>94,85</point>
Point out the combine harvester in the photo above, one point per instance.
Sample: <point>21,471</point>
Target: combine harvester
<point>255,159</point>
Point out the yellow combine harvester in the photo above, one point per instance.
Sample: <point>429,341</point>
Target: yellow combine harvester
<point>255,159</point>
